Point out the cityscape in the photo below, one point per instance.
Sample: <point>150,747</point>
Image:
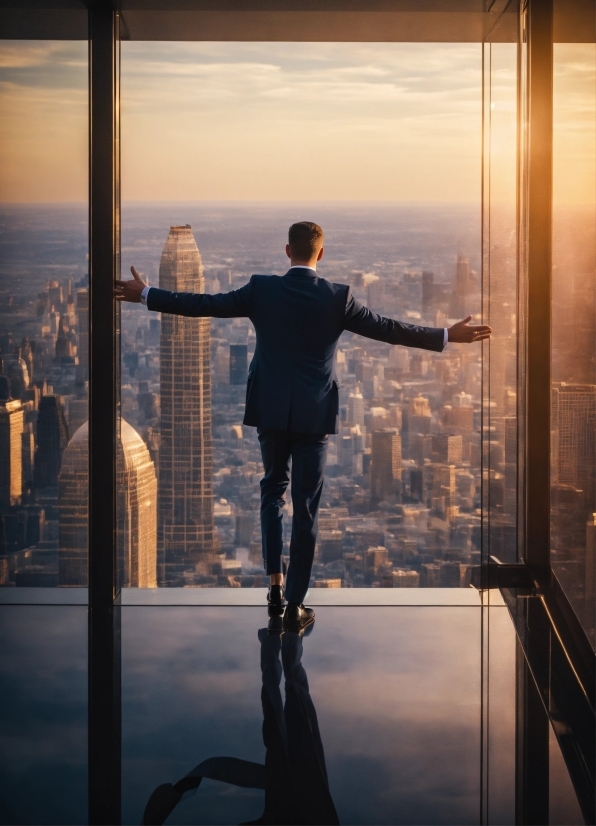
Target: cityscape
<point>401,506</point>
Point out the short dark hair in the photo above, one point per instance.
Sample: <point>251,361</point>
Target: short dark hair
<point>305,240</point>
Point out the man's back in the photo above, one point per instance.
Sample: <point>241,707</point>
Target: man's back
<point>298,320</point>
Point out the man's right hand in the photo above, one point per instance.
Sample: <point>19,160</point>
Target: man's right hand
<point>130,290</point>
<point>465,333</point>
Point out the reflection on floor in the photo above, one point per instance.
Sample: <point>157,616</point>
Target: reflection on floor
<point>43,714</point>
<point>395,691</point>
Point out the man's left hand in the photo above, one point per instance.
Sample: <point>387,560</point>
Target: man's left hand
<point>130,290</point>
<point>465,333</point>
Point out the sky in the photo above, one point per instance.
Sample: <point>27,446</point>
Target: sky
<point>250,121</point>
<point>282,121</point>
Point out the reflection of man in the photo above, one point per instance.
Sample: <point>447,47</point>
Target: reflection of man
<point>295,776</point>
<point>292,392</point>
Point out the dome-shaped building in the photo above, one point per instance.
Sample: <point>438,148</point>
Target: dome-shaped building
<point>136,511</point>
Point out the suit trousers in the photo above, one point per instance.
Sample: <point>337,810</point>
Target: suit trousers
<point>307,454</point>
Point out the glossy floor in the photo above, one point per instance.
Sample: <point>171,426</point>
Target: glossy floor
<point>391,699</point>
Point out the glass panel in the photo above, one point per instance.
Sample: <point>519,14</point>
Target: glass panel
<point>216,164</point>
<point>44,336</point>
<point>501,372</point>
<point>573,492</point>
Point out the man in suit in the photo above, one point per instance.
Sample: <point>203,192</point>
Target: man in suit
<point>292,395</point>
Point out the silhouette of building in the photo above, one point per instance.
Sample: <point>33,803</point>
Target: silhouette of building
<point>186,530</point>
<point>463,288</point>
<point>52,438</point>
<point>385,471</point>
<point>238,363</point>
<point>135,507</point>
<point>428,283</point>
<point>11,463</point>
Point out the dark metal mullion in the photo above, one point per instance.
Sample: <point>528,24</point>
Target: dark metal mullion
<point>532,755</point>
<point>104,654</point>
<point>539,235</point>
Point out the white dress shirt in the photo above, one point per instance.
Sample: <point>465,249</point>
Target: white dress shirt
<point>145,293</point>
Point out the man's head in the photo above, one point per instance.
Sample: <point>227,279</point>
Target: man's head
<point>305,243</point>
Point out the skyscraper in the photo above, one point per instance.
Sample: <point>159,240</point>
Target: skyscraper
<point>574,423</point>
<point>83,334</point>
<point>385,471</point>
<point>52,438</point>
<point>428,283</point>
<point>356,407</point>
<point>238,363</point>
<point>186,530</point>
<point>11,462</point>
<point>136,485</point>
<point>463,288</point>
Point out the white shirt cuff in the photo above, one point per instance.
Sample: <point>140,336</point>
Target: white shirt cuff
<point>144,295</point>
<point>445,333</point>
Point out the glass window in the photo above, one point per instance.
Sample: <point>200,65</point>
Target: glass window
<point>501,369</point>
<point>224,145</point>
<point>44,331</point>
<point>573,444</point>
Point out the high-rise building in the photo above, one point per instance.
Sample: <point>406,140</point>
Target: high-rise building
<point>428,283</point>
<point>590,587</point>
<point>136,511</point>
<point>574,424</point>
<point>419,415</point>
<point>463,288</point>
<point>83,334</point>
<point>405,579</point>
<point>385,471</point>
<point>186,529</point>
<point>447,449</point>
<point>52,438</point>
<point>11,461</point>
<point>238,363</point>
<point>444,486</point>
<point>356,407</point>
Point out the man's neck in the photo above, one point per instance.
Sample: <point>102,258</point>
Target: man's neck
<point>311,264</point>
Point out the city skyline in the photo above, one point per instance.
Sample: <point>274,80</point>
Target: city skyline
<point>416,526</point>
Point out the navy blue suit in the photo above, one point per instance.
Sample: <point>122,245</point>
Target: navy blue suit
<point>292,391</point>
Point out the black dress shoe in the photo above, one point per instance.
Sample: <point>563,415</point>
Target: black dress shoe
<point>276,600</point>
<point>297,617</point>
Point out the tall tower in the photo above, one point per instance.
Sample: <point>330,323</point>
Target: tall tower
<point>238,363</point>
<point>464,286</point>
<point>52,438</point>
<point>186,530</point>
<point>83,334</point>
<point>386,464</point>
<point>136,487</point>
<point>11,462</point>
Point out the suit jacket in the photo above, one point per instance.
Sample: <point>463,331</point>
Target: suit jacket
<point>298,319</point>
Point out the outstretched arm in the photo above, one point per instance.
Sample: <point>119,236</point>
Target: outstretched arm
<point>360,320</point>
<point>234,304</point>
